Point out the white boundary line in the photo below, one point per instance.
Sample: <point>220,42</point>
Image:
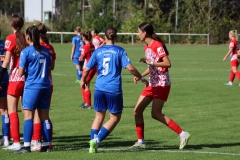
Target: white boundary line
<point>170,151</point>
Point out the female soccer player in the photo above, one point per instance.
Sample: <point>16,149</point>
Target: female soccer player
<point>97,41</point>
<point>3,100</point>
<point>77,44</point>
<point>36,138</point>
<point>109,59</point>
<point>234,58</point>
<point>157,92</point>
<point>13,45</point>
<point>35,63</point>
<point>86,53</point>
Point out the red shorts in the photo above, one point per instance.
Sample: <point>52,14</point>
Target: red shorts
<point>234,63</point>
<point>15,88</point>
<point>91,74</point>
<point>156,92</point>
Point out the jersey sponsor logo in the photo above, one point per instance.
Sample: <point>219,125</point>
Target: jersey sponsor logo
<point>7,44</point>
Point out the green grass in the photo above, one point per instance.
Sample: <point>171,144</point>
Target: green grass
<point>199,102</point>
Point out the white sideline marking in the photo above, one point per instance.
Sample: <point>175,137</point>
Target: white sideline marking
<point>171,151</point>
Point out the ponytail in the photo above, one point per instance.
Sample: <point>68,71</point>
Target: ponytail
<point>21,42</point>
<point>157,38</point>
<point>33,33</point>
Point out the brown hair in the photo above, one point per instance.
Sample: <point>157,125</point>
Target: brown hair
<point>78,29</point>
<point>87,35</point>
<point>111,33</point>
<point>17,23</point>
<point>43,32</point>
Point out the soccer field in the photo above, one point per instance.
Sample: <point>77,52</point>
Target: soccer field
<point>199,102</point>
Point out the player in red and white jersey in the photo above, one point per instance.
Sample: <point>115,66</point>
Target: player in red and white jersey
<point>87,51</point>
<point>156,57</point>
<point>232,52</point>
<point>37,131</point>
<point>97,41</point>
<point>13,45</point>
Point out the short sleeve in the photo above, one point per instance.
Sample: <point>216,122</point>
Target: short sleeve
<point>73,40</point>
<point>161,52</point>
<point>125,60</point>
<point>23,59</point>
<point>9,45</point>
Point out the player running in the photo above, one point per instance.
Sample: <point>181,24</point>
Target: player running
<point>109,59</point>
<point>156,57</point>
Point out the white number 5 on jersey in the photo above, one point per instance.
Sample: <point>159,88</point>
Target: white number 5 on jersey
<point>105,66</point>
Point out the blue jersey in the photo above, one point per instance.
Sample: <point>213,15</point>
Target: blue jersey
<point>37,66</point>
<point>110,60</point>
<point>2,52</point>
<point>77,41</point>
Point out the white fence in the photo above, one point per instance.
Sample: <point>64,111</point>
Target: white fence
<point>134,34</point>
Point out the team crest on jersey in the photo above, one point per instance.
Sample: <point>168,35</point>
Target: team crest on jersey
<point>7,44</point>
<point>160,50</point>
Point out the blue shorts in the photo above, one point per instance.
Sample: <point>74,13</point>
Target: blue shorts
<point>3,92</point>
<point>76,61</point>
<point>110,101</point>
<point>36,98</point>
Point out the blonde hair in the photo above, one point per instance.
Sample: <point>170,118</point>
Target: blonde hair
<point>234,34</point>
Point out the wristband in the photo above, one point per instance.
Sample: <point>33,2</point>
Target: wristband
<point>151,63</point>
<point>142,79</point>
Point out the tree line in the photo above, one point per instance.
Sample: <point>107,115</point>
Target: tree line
<point>215,17</point>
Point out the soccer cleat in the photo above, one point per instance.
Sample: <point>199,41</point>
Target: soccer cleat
<point>228,84</point>
<point>139,145</point>
<point>36,145</point>
<point>93,146</point>
<point>184,140</point>
<point>23,150</point>
<point>4,142</point>
<point>13,147</point>
<point>82,104</point>
<point>77,81</point>
<point>45,149</point>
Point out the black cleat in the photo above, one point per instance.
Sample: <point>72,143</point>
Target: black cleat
<point>45,149</point>
<point>23,150</point>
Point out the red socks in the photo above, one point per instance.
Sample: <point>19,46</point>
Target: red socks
<point>173,126</point>
<point>232,76</point>
<point>140,131</point>
<point>238,75</point>
<point>37,131</point>
<point>88,97</point>
<point>14,127</point>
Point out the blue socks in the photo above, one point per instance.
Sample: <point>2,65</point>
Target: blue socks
<point>46,131</point>
<point>5,125</point>
<point>103,133</point>
<point>94,133</point>
<point>79,74</point>
<point>28,130</point>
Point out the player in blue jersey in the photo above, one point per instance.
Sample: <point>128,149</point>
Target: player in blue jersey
<point>109,59</point>
<point>35,64</point>
<point>3,99</point>
<point>77,44</point>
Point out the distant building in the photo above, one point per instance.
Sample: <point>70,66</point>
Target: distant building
<point>39,10</point>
